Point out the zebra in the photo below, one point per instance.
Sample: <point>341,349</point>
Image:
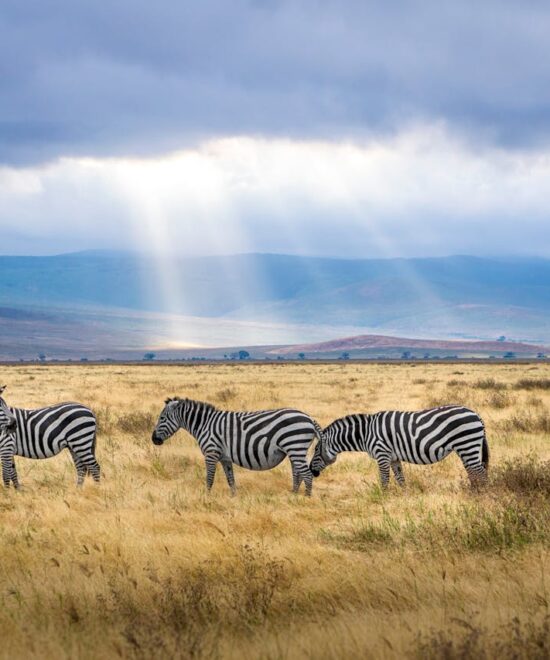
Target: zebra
<point>44,432</point>
<point>421,437</point>
<point>255,440</point>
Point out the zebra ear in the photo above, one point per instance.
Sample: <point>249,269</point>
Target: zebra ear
<point>2,388</point>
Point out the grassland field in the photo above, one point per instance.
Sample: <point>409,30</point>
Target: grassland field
<point>148,565</point>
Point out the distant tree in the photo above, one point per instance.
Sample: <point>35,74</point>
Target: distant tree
<point>243,355</point>
<point>84,359</point>
<point>42,357</point>
<point>426,356</point>
<point>509,355</point>
<point>501,338</point>
<point>406,355</point>
<point>541,356</point>
<point>344,356</point>
<point>149,356</point>
<point>301,356</point>
<point>225,356</point>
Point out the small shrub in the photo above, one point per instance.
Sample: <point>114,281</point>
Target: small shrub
<point>105,420</point>
<point>523,475</point>
<point>226,395</point>
<point>499,400</point>
<point>489,384</point>
<point>527,422</point>
<point>533,384</point>
<point>516,640</point>
<point>136,423</point>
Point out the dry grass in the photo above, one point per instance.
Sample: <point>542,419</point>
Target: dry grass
<point>147,565</point>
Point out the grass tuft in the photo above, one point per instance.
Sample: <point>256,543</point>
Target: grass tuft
<point>517,640</point>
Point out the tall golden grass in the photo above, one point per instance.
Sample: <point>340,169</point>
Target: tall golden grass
<point>147,565</point>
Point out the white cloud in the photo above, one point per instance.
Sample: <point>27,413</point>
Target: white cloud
<point>422,192</point>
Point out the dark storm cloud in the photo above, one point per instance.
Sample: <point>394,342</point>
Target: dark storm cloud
<point>136,77</point>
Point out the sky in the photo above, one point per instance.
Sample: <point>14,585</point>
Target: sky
<point>314,127</point>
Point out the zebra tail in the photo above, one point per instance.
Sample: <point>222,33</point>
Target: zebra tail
<point>318,430</point>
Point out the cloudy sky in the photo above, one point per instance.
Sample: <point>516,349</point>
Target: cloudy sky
<point>315,127</point>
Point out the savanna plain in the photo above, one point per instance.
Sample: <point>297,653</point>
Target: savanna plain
<point>148,565</point>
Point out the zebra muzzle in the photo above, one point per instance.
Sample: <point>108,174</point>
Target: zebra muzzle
<point>156,440</point>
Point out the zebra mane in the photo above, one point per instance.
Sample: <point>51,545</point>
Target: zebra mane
<point>336,422</point>
<point>199,404</point>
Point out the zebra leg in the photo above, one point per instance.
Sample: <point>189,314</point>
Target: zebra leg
<point>82,450</point>
<point>14,478</point>
<point>477,473</point>
<point>80,466</point>
<point>9,473</point>
<point>228,469</point>
<point>398,472</point>
<point>88,460</point>
<point>301,472</point>
<point>296,479</point>
<point>211,461</point>
<point>93,469</point>
<point>6,471</point>
<point>384,469</point>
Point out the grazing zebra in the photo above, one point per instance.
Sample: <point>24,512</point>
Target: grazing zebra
<point>422,437</point>
<point>44,432</point>
<point>254,440</point>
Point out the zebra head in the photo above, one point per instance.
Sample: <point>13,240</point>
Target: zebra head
<point>169,420</point>
<point>7,418</point>
<point>322,456</point>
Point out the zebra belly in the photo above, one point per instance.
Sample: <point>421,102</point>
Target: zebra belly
<point>30,450</point>
<point>435,457</point>
<point>420,455</point>
<point>257,454</point>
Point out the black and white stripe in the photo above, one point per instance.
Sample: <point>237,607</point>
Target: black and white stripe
<point>44,432</point>
<point>254,440</point>
<point>422,437</point>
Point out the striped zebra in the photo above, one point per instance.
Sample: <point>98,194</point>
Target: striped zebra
<point>254,440</point>
<point>422,437</point>
<point>44,432</point>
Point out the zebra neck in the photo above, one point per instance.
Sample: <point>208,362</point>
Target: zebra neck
<point>195,418</point>
<point>352,434</point>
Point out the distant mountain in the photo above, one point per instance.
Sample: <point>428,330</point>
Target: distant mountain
<point>365,346</point>
<point>116,299</point>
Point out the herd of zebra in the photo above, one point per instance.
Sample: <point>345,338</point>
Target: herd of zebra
<point>257,440</point>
